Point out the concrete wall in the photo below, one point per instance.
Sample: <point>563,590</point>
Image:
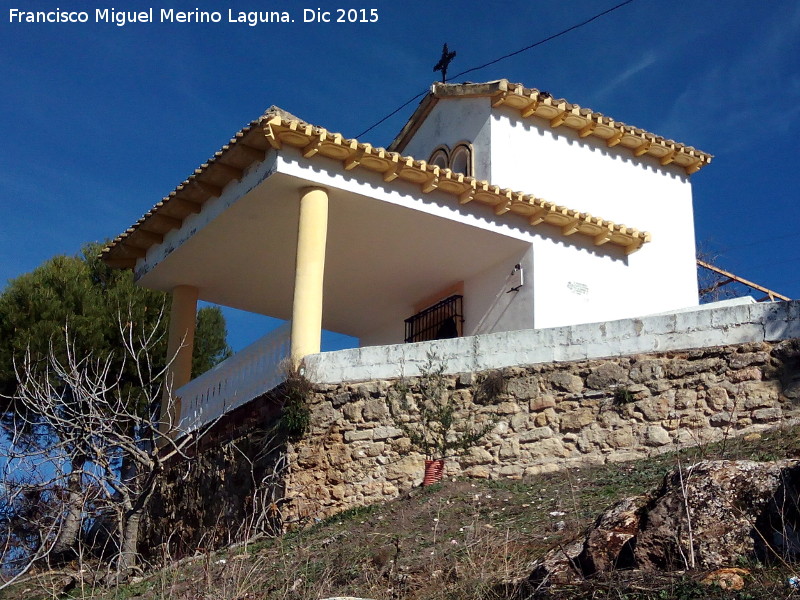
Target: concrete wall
<point>705,326</point>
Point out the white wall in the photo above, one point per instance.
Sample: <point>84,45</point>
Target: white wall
<point>489,303</point>
<point>579,283</point>
<point>569,280</point>
<point>391,332</point>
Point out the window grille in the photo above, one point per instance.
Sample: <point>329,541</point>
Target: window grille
<point>441,321</point>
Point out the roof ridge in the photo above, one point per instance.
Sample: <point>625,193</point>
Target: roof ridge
<point>535,103</point>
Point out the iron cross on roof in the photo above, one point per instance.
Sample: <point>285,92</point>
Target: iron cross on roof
<point>444,62</point>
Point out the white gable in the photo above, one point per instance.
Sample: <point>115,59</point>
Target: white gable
<point>451,123</point>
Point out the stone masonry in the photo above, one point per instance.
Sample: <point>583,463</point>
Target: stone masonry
<point>547,417</point>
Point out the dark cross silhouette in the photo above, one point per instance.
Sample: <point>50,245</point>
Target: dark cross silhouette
<point>444,62</point>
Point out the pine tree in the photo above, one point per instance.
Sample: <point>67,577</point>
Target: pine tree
<point>82,294</point>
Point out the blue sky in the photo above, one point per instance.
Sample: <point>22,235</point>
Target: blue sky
<point>99,122</point>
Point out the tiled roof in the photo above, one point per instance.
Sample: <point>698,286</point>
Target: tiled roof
<point>248,146</point>
<point>536,104</point>
<point>277,128</point>
<point>392,166</point>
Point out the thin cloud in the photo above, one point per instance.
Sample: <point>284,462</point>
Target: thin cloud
<point>735,99</point>
<point>643,63</point>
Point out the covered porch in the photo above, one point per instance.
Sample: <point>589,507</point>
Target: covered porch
<point>319,257</point>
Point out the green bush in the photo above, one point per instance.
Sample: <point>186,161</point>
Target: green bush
<point>296,414</point>
<point>428,420</point>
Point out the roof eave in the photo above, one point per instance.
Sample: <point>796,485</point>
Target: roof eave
<point>229,163</point>
<point>413,124</point>
<point>276,131</point>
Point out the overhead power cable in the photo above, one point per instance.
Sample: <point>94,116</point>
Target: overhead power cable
<point>393,113</point>
<point>545,40</point>
<point>505,56</point>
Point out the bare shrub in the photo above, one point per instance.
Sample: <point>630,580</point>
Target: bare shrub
<point>86,449</point>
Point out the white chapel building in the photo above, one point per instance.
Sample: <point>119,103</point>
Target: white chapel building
<point>496,208</point>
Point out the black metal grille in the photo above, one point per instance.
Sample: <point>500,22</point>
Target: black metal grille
<point>441,321</point>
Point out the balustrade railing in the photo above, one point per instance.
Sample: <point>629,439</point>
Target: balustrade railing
<point>235,381</point>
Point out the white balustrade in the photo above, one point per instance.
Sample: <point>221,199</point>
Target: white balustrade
<point>235,381</point>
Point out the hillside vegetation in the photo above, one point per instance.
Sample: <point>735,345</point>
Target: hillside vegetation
<point>459,540</point>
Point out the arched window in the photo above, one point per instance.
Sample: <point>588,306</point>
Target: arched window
<point>458,160</point>
<point>440,157</point>
<point>461,159</point>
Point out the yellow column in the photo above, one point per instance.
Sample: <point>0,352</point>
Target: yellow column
<point>180,344</point>
<point>309,272</point>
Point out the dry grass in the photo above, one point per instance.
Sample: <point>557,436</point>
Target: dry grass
<point>465,540</point>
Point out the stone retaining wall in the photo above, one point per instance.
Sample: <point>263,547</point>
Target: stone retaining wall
<point>546,417</point>
<point>224,489</point>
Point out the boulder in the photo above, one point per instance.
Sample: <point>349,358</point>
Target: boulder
<point>707,516</point>
<point>608,545</point>
<point>719,511</point>
<point>560,565</point>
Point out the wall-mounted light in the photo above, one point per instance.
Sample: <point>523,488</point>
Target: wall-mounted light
<point>517,279</point>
